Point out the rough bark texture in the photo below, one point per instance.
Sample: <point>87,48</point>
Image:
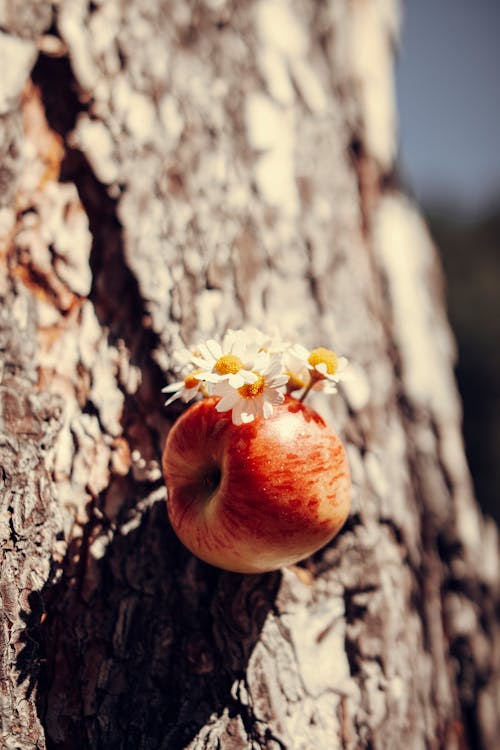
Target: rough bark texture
<point>168,169</point>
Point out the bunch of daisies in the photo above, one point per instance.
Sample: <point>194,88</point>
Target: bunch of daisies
<point>250,372</point>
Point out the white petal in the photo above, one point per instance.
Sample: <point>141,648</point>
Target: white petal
<point>235,379</point>
<point>209,377</point>
<point>228,401</point>
<point>267,409</point>
<point>343,362</point>
<point>203,362</point>
<point>261,362</point>
<point>173,398</point>
<point>297,350</point>
<point>344,371</point>
<point>236,413</point>
<point>278,381</point>
<point>247,417</point>
<point>238,346</point>
<point>321,368</point>
<point>295,365</point>
<point>249,410</point>
<point>275,367</point>
<point>205,355</point>
<point>228,339</point>
<point>214,348</point>
<point>203,351</point>
<point>221,388</point>
<point>248,376</point>
<point>189,393</point>
<point>325,386</point>
<point>173,387</point>
<point>330,389</point>
<point>274,396</point>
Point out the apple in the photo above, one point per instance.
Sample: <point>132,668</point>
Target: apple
<point>254,497</point>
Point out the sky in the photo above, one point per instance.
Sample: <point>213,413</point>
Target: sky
<point>448,89</point>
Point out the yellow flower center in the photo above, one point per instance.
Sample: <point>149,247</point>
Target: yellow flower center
<point>252,390</point>
<point>190,381</point>
<point>228,364</point>
<point>324,356</point>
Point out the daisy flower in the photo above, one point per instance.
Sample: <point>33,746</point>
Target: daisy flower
<point>254,399</point>
<point>233,360</point>
<point>185,389</point>
<point>326,369</point>
<point>251,370</point>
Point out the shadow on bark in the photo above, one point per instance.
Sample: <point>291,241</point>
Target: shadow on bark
<point>144,645</point>
<point>30,658</point>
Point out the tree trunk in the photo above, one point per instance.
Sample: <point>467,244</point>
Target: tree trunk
<point>170,169</point>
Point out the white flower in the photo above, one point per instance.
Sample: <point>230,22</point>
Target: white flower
<point>251,370</point>
<point>233,361</point>
<point>185,389</point>
<point>254,399</point>
<point>331,380</point>
<point>325,367</point>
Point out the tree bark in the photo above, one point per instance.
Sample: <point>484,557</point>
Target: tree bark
<point>170,169</point>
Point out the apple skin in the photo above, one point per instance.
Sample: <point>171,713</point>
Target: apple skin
<point>255,497</point>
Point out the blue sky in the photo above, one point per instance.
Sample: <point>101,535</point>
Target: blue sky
<point>448,88</point>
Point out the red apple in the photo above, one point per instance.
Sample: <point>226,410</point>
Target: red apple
<point>254,497</point>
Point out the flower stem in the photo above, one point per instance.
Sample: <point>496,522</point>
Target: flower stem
<point>307,389</point>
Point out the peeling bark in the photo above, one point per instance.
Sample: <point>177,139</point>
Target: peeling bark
<point>169,169</point>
